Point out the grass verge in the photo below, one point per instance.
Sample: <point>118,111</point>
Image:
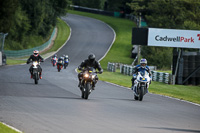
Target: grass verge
<point>120,52</point>
<point>5,129</point>
<point>62,35</point>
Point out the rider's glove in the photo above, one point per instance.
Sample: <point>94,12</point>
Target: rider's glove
<point>101,71</point>
<point>80,68</point>
<point>27,62</point>
<point>42,60</point>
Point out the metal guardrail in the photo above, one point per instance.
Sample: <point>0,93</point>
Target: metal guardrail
<point>128,70</point>
<point>27,52</point>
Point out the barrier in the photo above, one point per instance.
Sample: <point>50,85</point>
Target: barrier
<point>27,52</point>
<point>128,70</point>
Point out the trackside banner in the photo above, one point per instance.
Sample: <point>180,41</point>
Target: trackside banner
<point>173,38</point>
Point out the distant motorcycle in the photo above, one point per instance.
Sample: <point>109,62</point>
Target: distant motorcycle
<point>54,61</point>
<point>59,65</point>
<point>89,78</point>
<point>66,63</point>
<point>36,71</point>
<point>141,85</point>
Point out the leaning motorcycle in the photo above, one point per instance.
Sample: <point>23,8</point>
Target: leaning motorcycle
<point>66,63</point>
<point>59,65</point>
<point>88,81</point>
<point>36,71</point>
<point>141,85</point>
<point>54,61</point>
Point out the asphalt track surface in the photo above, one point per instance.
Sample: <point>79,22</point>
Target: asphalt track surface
<point>55,106</point>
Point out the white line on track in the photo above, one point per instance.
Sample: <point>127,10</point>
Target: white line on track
<point>12,127</point>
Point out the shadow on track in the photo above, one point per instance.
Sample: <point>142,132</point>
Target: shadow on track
<point>175,129</point>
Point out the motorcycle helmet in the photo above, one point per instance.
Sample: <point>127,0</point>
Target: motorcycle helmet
<point>143,62</point>
<point>36,53</point>
<point>91,57</point>
<point>66,56</point>
<point>55,55</point>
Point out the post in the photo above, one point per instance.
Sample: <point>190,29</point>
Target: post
<point>177,65</point>
<point>139,47</point>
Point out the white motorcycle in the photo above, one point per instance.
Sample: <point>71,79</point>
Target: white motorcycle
<point>36,71</point>
<point>141,85</point>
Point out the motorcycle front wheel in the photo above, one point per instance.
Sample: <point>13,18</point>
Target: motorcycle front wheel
<point>36,78</point>
<point>87,90</point>
<point>58,68</point>
<point>141,93</point>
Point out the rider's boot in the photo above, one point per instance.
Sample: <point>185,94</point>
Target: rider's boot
<point>31,75</point>
<point>40,75</point>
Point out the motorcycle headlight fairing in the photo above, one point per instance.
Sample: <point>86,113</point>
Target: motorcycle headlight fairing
<point>93,76</point>
<point>86,75</point>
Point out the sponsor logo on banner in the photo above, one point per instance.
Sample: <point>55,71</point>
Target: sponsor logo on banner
<point>174,38</point>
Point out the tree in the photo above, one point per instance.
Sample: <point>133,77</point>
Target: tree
<point>7,14</point>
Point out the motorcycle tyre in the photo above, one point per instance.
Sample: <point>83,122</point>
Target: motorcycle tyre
<point>87,89</point>
<point>36,78</point>
<point>59,68</point>
<point>141,93</point>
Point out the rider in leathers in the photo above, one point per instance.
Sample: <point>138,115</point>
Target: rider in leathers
<point>90,62</point>
<point>38,58</point>
<point>138,68</point>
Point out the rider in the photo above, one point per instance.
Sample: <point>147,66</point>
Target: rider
<point>90,62</point>
<point>66,57</point>
<point>38,58</point>
<point>138,68</point>
<point>61,59</point>
<point>55,55</point>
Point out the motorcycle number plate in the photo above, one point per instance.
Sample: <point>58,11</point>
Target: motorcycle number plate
<point>143,78</point>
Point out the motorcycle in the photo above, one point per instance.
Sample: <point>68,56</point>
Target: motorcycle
<point>59,65</point>
<point>54,61</point>
<point>141,85</point>
<point>66,63</point>
<point>87,82</point>
<point>36,71</point>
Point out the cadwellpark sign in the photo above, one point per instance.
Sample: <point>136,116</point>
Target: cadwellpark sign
<point>173,38</point>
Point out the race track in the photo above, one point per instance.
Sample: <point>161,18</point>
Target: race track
<point>55,106</point>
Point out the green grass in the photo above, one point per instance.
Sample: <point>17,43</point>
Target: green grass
<point>5,129</point>
<point>14,61</point>
<point>165,71</point>
<point>120,52</point>
<point>62,35</point>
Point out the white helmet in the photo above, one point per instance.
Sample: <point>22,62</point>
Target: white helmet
<point>35,52</point>
<point>66,56</point>
<point>143,61</point>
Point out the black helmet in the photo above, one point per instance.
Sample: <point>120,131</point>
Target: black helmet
<point>91,57</point>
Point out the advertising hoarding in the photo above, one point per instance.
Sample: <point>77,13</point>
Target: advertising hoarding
<point>173,38</point>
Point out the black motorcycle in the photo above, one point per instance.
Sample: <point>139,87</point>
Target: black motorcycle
<point>59,65</point>
<point>88,80</point>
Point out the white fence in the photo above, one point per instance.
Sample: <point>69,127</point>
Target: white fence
<point>128,70</point>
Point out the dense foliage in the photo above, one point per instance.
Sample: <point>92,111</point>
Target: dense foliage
<point>109,5</point>
<point>171,14</point>
<point>28,21</point>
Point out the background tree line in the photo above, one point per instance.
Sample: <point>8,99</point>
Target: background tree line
<point>29,21</point>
